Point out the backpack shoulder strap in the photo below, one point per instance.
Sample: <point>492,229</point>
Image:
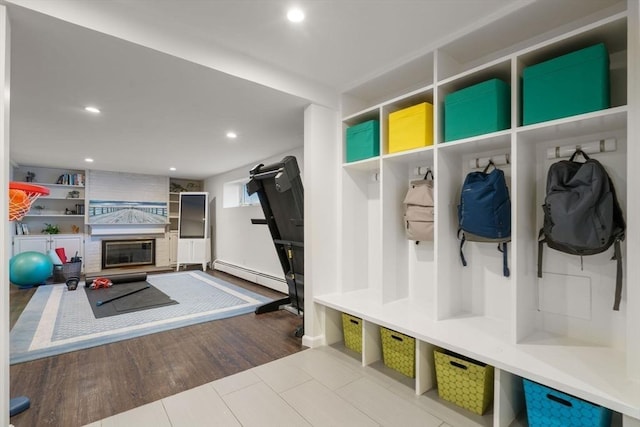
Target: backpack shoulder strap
<point>617,255</point>
<point>462,240</point>
<point>502,247</point>
<point>541,241</point>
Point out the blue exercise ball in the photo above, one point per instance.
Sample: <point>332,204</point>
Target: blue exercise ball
<point>30,268</point>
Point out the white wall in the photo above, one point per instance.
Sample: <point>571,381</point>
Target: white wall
<point>5,236</point>
<point>237,241</point>
<point>321,130</point>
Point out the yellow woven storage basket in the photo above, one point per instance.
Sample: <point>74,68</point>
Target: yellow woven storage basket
<point>411,128</point>
<point>352,328</point>
<point>466,383</point>
<point>399,352</point>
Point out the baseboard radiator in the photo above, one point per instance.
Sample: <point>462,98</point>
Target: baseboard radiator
<point>264,279</point>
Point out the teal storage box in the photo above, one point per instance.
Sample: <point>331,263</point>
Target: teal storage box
<point>476,110</point>
<point>571,84</point>
<point>549,407</point>
<point>363,141</point>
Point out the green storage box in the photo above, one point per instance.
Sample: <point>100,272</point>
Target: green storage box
<point>363,141</point>
<point>352,328</point>
<point>476,110</point>
<point>399,352</point>
<point>571,84</point>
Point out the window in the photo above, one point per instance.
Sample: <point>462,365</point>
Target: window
<point>246,199</point>
<point>235,194</point>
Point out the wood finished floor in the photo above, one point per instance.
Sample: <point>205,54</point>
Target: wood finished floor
<point>78,388</point>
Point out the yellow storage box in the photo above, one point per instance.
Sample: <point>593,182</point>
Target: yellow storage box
<point>411,128</point>
<point>464,382</point>
<point>399,352</point>
<point>352,328</point>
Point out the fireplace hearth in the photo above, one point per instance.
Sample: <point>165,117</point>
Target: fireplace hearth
<point>128,253</point>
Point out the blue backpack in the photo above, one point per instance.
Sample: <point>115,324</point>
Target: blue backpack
<point>484,213</point>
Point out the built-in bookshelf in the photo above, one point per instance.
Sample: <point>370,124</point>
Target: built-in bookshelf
<point>64,206</point>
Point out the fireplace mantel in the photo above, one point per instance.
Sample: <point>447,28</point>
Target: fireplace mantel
<point>126,229</point>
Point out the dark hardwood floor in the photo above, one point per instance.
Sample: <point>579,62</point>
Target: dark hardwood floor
<point>78,388</point>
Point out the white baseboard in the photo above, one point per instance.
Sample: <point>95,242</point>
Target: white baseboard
<point>264,279</point>
<point>313,342</point>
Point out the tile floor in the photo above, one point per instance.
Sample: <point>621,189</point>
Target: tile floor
<point>315,387</point>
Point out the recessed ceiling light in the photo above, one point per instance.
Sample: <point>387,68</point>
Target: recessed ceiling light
<point>232,135</point>
<point>91,109</point>
<point>172,168</point>
<point>88,160</point>
<point>295,15</point>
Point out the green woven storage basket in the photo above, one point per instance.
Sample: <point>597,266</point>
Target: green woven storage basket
<point>466,383</point>
<point>352,328</point>
<point>399,352</point>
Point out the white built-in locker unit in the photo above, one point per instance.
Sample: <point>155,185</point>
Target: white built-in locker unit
<point>560,330</point>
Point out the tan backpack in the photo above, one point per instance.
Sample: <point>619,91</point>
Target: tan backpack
<point>418,214</point>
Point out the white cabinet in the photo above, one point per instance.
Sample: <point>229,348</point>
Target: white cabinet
<point>559,330</point>
<point>72,244</point>
<point>188,255</point>
<point>31,243</point>
<point>194,243</point>
<point>194,251</point>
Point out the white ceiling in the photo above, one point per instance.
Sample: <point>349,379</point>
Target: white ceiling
<point>160,111</point>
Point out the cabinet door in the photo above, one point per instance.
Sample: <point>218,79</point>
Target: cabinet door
<point>199,250</point>
<point>31,243</point>
<point>72,244</point>
<point>173,248</point>
<point>185,251</point>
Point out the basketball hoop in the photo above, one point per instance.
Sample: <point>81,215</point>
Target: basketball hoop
<point>21,197</point>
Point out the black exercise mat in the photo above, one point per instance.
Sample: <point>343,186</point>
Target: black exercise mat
<point>118,278</point>
<point>144,299</point>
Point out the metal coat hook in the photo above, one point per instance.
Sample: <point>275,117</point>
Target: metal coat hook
<point>592,147</point>
<point>482,162</point>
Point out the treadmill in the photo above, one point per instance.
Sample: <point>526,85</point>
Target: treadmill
<point>281,195</point>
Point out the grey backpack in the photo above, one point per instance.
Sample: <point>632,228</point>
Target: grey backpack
<point>581,213</point>
<point>418,214</point>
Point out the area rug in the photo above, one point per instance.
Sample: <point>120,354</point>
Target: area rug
<point>57,320</point>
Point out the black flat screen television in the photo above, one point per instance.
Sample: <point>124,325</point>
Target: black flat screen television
<point>192,216</point>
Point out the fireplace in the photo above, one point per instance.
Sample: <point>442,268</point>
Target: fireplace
<point>128,253</point>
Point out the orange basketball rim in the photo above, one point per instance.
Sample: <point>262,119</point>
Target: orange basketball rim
<point>21,197</point>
